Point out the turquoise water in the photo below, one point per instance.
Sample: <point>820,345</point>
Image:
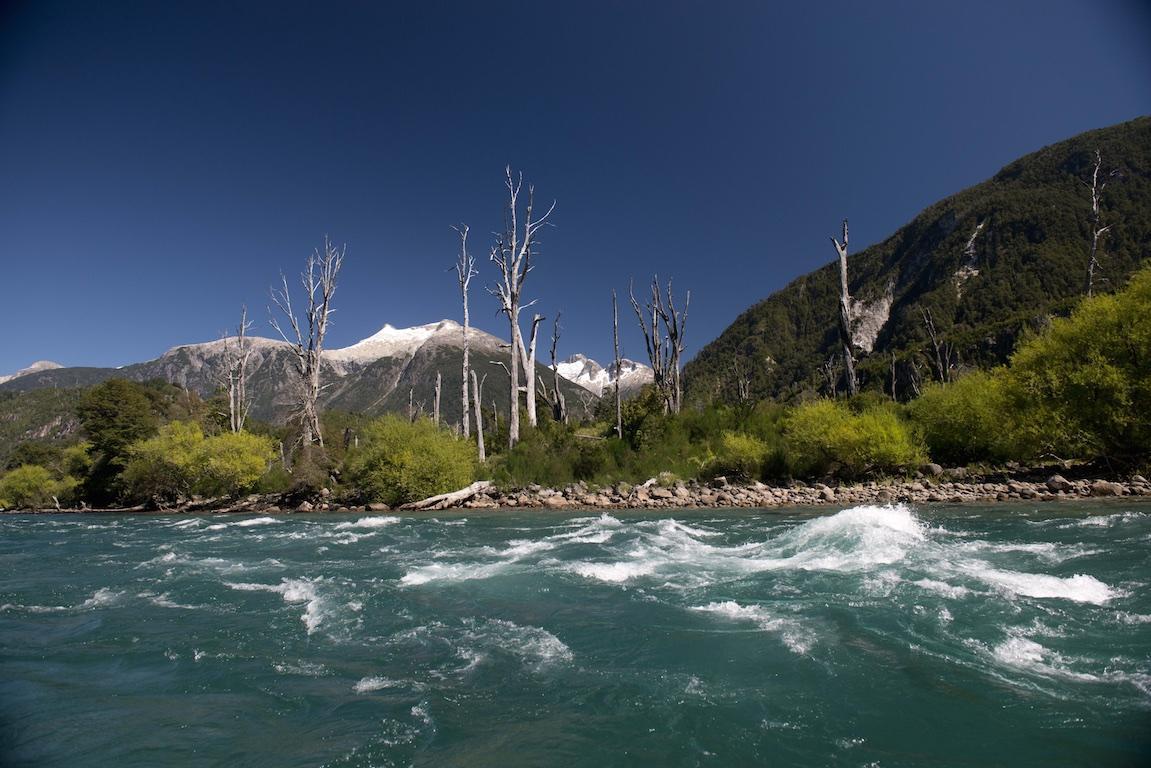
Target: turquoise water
<point>883,636</point>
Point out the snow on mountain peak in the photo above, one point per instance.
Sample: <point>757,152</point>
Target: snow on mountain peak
<point>587,373</point>
<point>390,341</point>
<point>39,365</point>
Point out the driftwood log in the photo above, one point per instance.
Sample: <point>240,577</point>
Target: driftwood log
<point>445,500</point>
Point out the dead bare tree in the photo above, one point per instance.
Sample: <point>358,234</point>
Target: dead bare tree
<point>559,402</point>
<point>234,377</point>
<point>436,402</point>
<point>1097,232</point>
<point>943,352</point>
<point>741,382</point>
<point>893,377</point>
<point>513,254</point>
<point>319,281</point>
<point>663,329</point>
<point>477,394</point>
<point>528,361</point>
<point>829,372</point>
<point>465,271</point>
<point>845,314</point>
<point>618,366</point>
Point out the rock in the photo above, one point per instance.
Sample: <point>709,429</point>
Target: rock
<point>661,493</point>
<point>1139,479</point>
<point>1105,488</point>
<point>1057,483</point>
<point>379,506</point>
<point>884,496</point>
<point>931,470</point>
<point>719,482</point>
<point>305,506</point>
<point>556,502</point>
<point>826,494</point>
<point>957,473</point>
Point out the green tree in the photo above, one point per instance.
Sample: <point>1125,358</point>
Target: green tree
<point>114,415</point>
<point>826,436</point>
<point>1083,388</point>
<point>968,420</point>
<point>397,461</point>
<point>180,462</point>
<point>33,487</point>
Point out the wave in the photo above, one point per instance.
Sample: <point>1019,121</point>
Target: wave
<point>1080,588</point>
<point>369,684</point>
<point>535,647</point>
<point>379,521</point>
<point>294,591</point>
<point>248,523</point>
<point>793,633</point>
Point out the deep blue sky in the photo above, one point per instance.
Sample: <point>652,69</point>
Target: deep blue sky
<point>160,163</point>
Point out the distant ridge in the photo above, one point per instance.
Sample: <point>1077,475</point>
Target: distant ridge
<point>374,375</point>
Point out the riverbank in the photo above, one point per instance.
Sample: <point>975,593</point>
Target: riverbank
<point>670,494</point>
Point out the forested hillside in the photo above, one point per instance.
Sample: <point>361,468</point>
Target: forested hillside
<point>981,267</point>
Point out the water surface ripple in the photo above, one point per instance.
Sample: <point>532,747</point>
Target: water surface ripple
<point>870,636</point>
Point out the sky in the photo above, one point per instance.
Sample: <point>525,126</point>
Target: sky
<point>161,163</point>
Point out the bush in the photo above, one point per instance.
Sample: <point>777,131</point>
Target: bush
<point>398,461</point>
<point>31,486</point>
<point>824,437</point>
<point>967,421</point>
<point>180,461</point>
<point>1083,387</point>
<point>741,455</point>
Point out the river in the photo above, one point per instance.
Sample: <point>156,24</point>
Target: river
<point>889,636</point>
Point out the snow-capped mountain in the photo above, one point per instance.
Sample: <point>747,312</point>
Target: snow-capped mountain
<point>593,377</point>
<point>380,373</point>
<point>36,367</point>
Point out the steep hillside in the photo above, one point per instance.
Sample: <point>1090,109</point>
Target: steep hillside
<point>987,263</point>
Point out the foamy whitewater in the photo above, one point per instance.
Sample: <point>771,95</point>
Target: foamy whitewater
<point>876,635</point>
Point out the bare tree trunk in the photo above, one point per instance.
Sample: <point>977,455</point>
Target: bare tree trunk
<point>319,281</point>
<point>893,397</point>
<point>845,314</point>
<point>436,402</point>
<point>528,360</point>
<point>465,271</point>
<point>618,365</point>
<point>1097,232</point>
<point>234,377</point>
<point>411,405</point>
<point>942,351</point>
<point>478,393</point>
<point>512,254</point>
<point>559,404</point>
<point>663,337</point>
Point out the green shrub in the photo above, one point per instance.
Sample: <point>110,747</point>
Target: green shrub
<point>740,455</point>
<point>825,436</point>
<point>969,420</point>
<point>397,461</point>
<point>180,461</point>
<point>31,486</point>
<point>1083,388</point>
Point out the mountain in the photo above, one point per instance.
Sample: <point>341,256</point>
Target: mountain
<point>39,365</point>
<point>596,379</point>
<point>985,266</point>
<point>381,373</point>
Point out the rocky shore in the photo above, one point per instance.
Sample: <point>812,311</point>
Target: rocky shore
<point>720,493</point>
<point>932,486</point>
